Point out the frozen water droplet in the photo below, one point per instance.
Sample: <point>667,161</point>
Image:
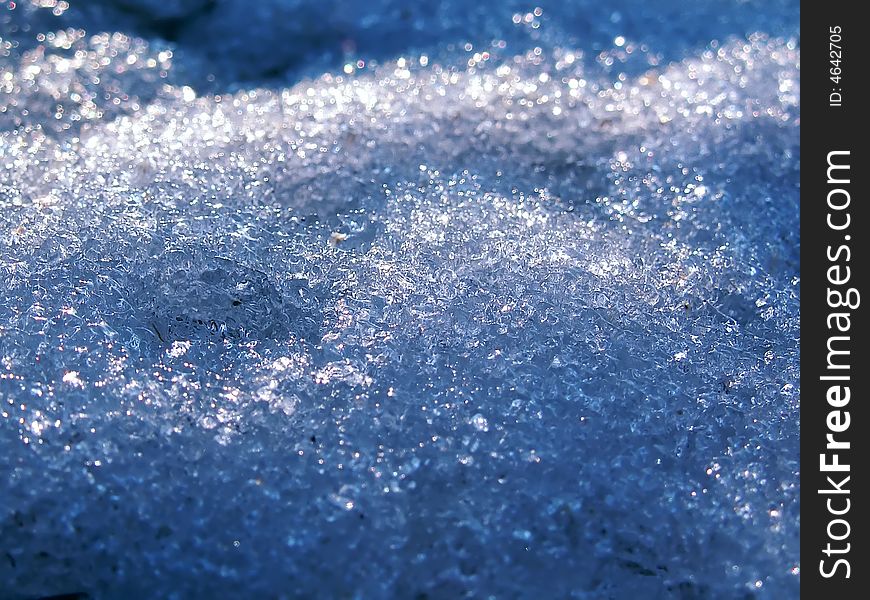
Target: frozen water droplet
<point>479,422</point>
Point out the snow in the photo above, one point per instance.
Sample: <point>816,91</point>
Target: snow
<point>399,300</point>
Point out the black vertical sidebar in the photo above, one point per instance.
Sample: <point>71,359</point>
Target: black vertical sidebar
<point>834,364</point>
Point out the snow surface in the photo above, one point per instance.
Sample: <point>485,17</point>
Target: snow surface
<point>391,299</point>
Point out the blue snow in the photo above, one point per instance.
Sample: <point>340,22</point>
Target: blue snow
<point>399,299</point>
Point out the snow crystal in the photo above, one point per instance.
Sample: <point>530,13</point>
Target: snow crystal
<point>399,299</point>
